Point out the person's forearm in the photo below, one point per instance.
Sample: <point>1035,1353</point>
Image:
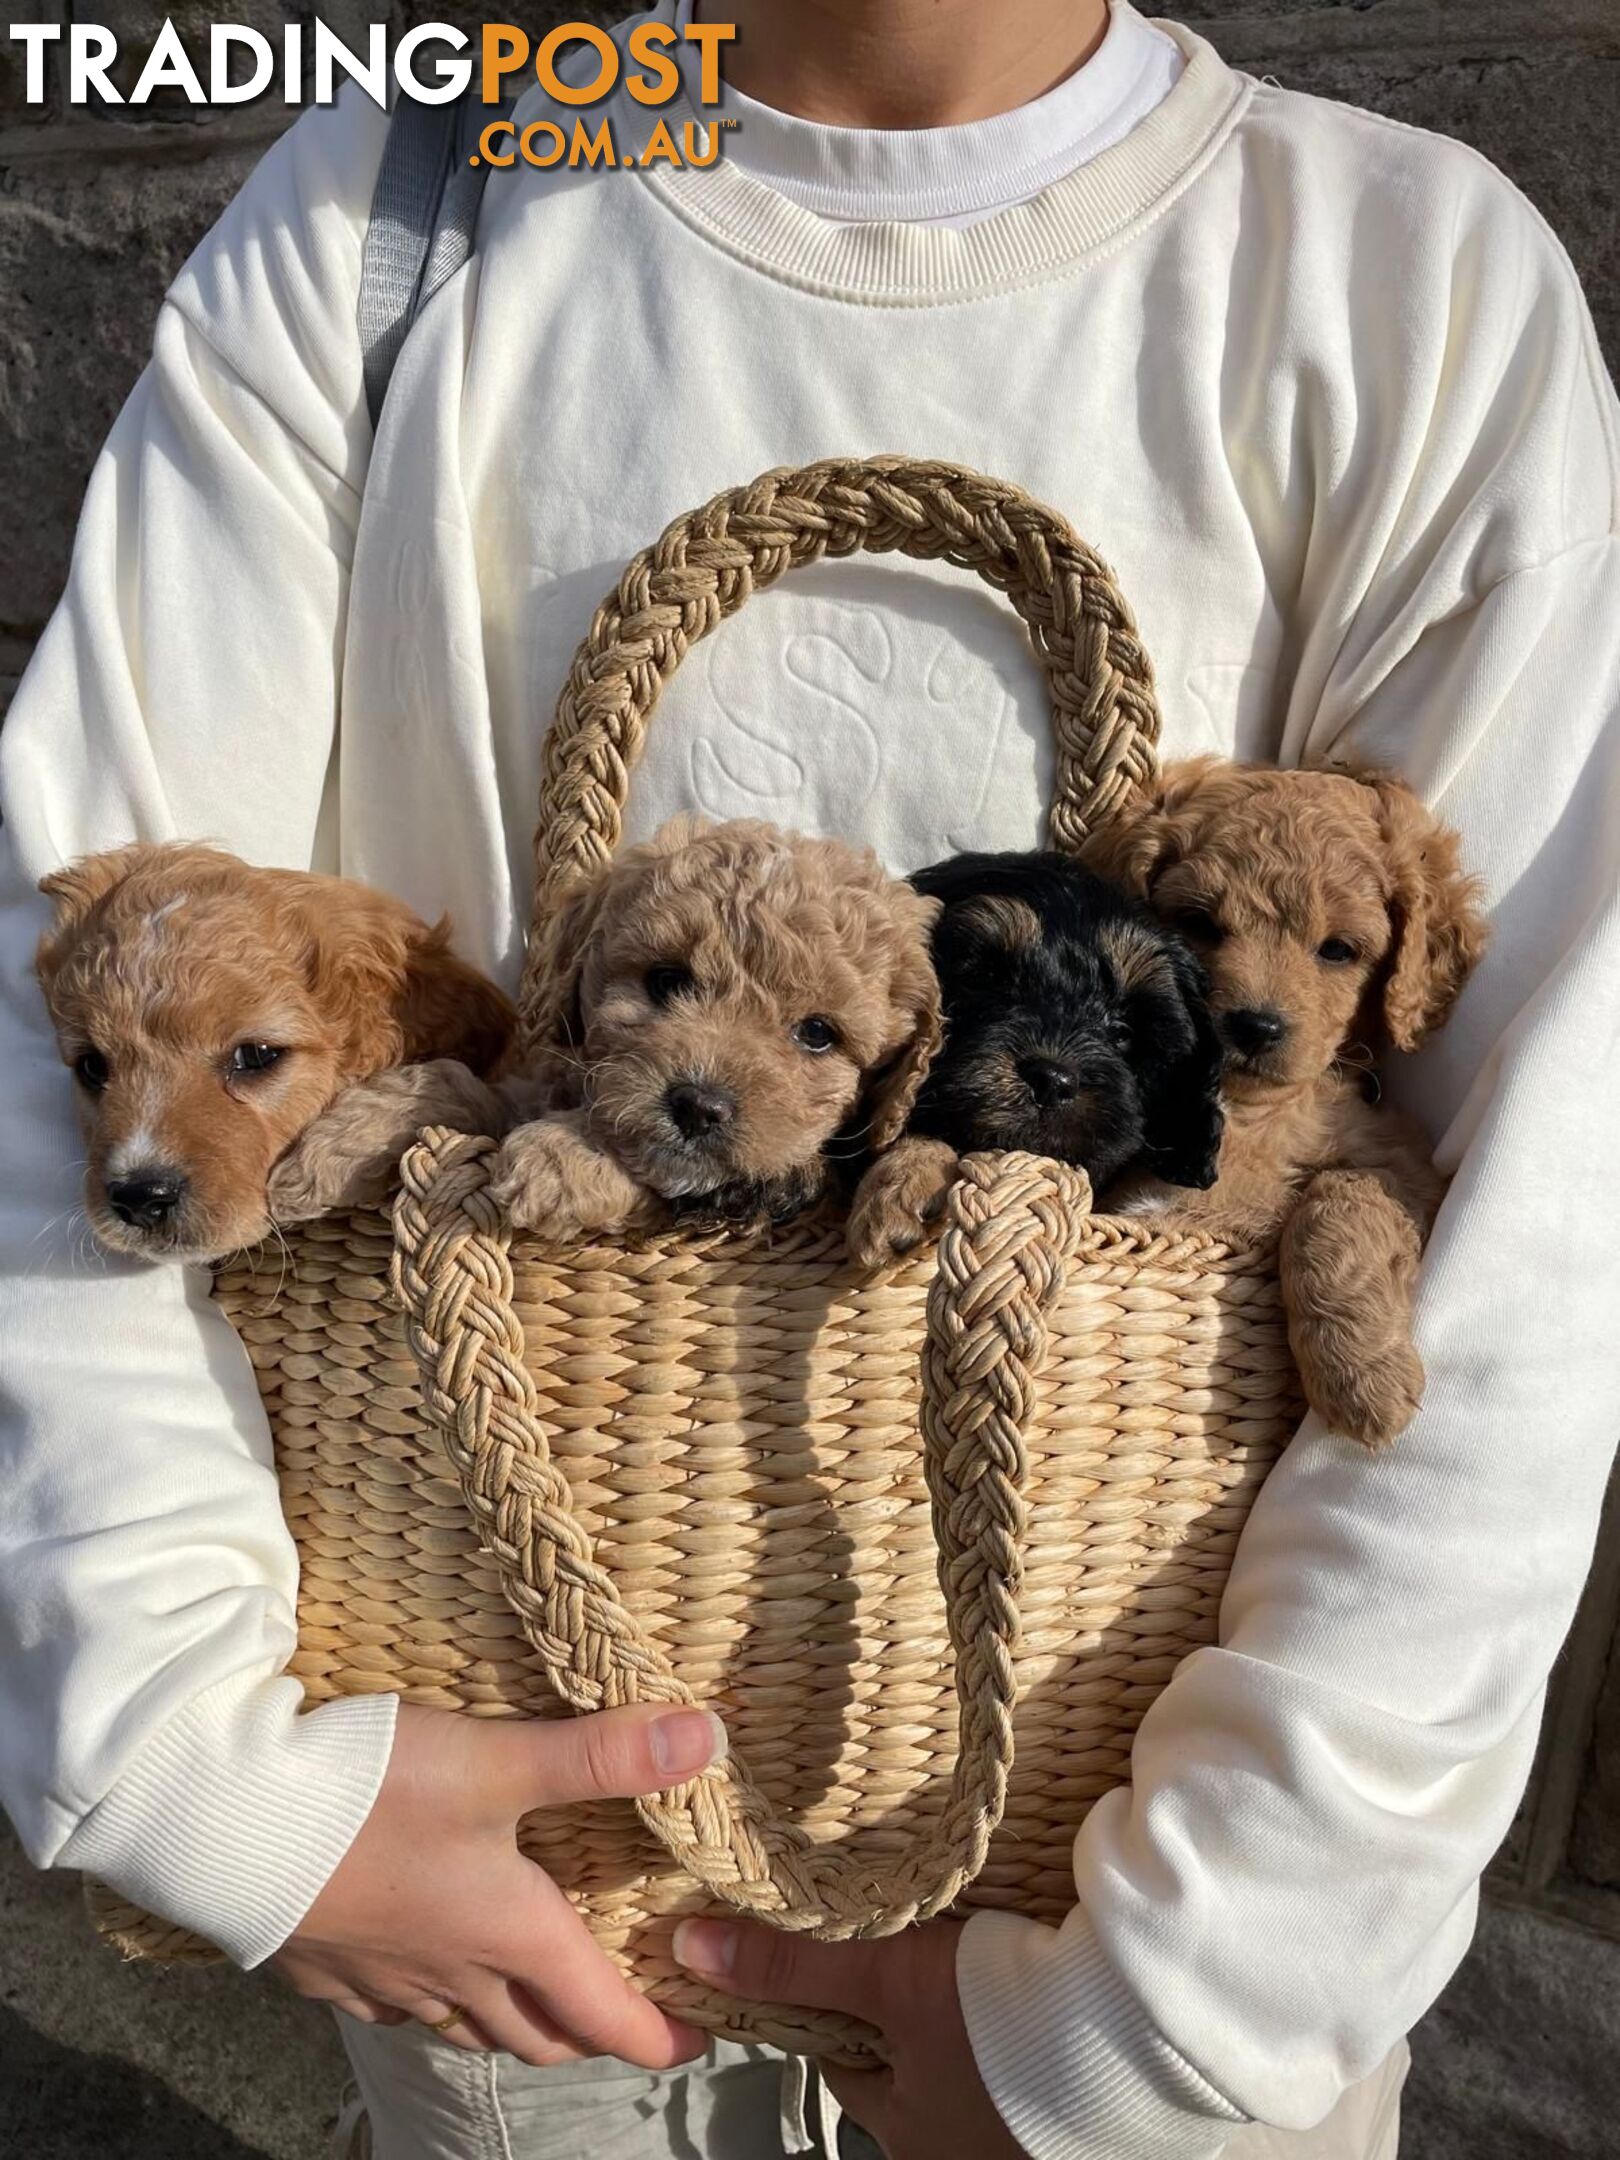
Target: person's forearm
<point>146,1576</point>
<point>187,686</point>
<point>1291,1877</point>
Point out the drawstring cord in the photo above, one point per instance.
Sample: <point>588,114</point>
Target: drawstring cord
<point>351,2139</point>
<point>799,2079</point>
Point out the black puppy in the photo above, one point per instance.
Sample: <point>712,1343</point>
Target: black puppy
<point>1075,1027</point>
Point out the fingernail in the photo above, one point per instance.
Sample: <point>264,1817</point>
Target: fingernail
<point>708,1947</point>
<point>687,1741</point>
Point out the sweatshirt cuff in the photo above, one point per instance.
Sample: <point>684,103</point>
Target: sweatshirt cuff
<point>234,1814</point>
<point>1072,2061</point>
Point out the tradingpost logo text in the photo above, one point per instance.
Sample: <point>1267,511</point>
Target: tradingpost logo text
<point>577,65</point>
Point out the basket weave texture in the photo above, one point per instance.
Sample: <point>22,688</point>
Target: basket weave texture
<point>932,1542</point>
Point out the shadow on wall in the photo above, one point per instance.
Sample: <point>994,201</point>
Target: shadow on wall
<point>63,2103</point>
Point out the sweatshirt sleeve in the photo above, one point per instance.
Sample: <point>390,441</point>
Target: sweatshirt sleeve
<point>1291,1877</point>
<point>186,686</point>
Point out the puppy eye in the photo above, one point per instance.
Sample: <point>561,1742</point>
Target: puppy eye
<point>252,1057</point>
<point>92,1071</point>
<point>668,981</point>
<point>1335,951</point>
<point>1199,924</point>
<point>816,1035</point>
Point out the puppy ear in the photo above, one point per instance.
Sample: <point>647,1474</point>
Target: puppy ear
<point>1439,930</point>
<point>358,943</point>
<point>891,1092</point>
<point>75,889</point>
<point>389,985</point>
<point>449,1009</point>
<point>565,946</point>
<point>77,886</point>
<point>1183,1118</point>
<point>1151,830</point>
<point>990,902</point>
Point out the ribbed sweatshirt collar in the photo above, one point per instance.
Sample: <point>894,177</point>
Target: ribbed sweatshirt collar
<point>956,174</point>
<point>894,262</point>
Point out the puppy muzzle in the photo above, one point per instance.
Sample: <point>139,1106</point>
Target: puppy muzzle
<point>1257,1041</point>
<point>148,1200</point>
<point>1065,1101</point>
<point>167,1233</point>
<point>686,1147</point>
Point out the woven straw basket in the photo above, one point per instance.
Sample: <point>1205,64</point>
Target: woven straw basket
<point>932,1543</point>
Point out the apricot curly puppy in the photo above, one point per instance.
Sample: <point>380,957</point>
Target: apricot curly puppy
<point>1332,917</point>
<point>728,1003</point>
<point>210,1012</point>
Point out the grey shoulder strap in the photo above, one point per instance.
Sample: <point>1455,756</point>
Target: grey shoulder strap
<point>424,214</point>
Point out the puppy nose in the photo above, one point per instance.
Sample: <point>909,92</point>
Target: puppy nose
<point>1255,1029</point>
<point>146,1198</point>
<point>1048,1080</point>
<point>697,1107</point>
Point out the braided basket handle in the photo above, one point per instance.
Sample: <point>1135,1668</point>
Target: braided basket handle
<point>1014,1222</point>
<point>1105,715</point>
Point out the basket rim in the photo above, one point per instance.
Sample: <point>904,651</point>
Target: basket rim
<point>1106,1237</point>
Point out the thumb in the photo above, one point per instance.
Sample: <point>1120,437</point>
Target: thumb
<point>607,1755</point>
<point>764,1964</point>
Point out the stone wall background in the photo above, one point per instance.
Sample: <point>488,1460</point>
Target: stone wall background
<point>98,209</point>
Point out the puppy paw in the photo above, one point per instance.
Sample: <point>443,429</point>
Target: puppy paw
<point>551,1177</point>
<point>1348,1261</point>
<point>316,1177</point>
<point>348,1157</point>
<point>899,1201</point>
<point>529,1181</point>
<point>1371,1398</point>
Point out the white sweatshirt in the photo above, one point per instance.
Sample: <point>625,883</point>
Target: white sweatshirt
<point>1324,391</point>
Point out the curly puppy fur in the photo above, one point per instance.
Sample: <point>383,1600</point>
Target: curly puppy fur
<point>1075,1027</point>
<point>726,1004</point>
<point>1332,917</point>
<point>210,1011</point>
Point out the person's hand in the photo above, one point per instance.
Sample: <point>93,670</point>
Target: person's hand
<point>930,2098</point>
<point>434,1910</point>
